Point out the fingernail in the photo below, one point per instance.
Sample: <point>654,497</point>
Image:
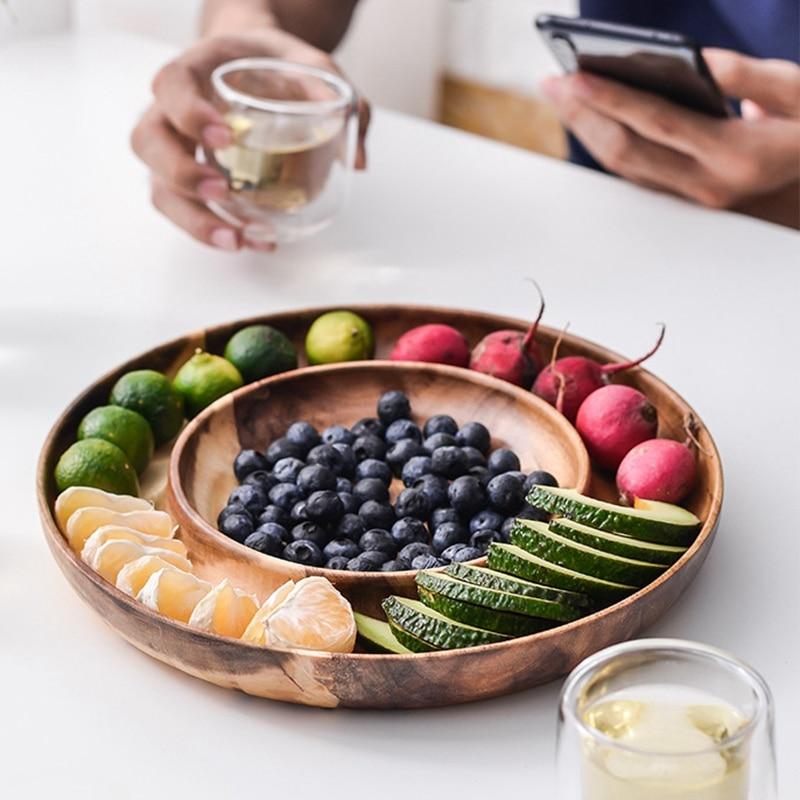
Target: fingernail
<point>212,189</point>
<point>217,135</point>
<point>551,86</point>
<point>225,239</point>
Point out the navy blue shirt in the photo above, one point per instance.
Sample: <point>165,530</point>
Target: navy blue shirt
<point>760,28</point>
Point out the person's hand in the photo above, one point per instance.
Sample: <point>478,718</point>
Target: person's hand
<point>717,162</point>
<point>182,116</point>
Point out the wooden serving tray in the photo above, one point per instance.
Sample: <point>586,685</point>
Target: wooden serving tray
<point>364,680</point>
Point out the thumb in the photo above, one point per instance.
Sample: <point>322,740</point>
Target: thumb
<point>771,83</point>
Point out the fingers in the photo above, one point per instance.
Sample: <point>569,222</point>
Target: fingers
<point>771,83</point>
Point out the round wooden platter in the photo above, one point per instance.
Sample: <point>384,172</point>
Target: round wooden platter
<point>363,680</point>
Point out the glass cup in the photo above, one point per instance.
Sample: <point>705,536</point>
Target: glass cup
<point>290,165</point>
<point>664,719</point>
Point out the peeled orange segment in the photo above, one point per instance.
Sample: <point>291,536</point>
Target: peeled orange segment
<point>85,521</point>
<point>310,615</point>
<point>114,533</point>
<point>108,559</point>
<point>173,593</point>
<point>70,500</point>
<point>134,574</point>
<point>225,610</point>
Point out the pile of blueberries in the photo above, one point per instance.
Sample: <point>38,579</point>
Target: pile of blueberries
<point>323,499</point>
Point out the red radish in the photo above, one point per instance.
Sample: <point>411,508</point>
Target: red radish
<point>567,382</point>
<point>658,469</point>
<point>612,420</point>
<point>512,356</point>
<point>439,344</point>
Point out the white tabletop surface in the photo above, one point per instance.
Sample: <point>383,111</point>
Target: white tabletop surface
<point>90,275</point>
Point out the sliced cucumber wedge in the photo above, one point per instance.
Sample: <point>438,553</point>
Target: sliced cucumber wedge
<point>434,629</point>
<point>516,561</point>
<point>379,634</point>
<point>494,599</point>
<point>411,642</point>
<point>615,542</point>
<point>538,539</point>
<point>659,522</point>
<point>481,576</point>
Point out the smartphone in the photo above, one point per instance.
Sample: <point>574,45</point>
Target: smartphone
<point>667,64</point>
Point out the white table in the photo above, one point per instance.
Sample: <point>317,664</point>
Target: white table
<point>90,275</point>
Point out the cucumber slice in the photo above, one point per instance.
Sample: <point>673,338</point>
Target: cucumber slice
<point>378,633</point>
<point>519,562</point>
<point>659,522</point>
<point>541,541</point>
<point>433,628</point>
<point>614,542</point>
<point>494,599</point>
<point>411,642</point>
<point>481,576</point>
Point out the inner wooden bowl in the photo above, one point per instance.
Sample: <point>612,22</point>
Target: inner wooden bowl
<point>201,468</point>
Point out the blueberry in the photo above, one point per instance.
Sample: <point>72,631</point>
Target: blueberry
<point>467,496</point>
<point>371,489</point>
<point>415,468</point>
<point>481,473</point>
<point>400,452</point>
<point>402,429</point>
<point>434,487</point>
<point>349,460</point>
<point>303,552</point>
<point>253,498</point>
<point>505,529</point>
<point>486,520</point>
<point>372,468</point>
<point>518,474</point>
<point>449,553</point>
<point>344,485</point>
<point>446,534</point>
<point>474,457</point>
<point>230,509</point>
<point>287,469</point>
<point>437,440</point>
<point>371,561</point>
<point>539,478</point>
<point>341,547</point>
<point>260,478</point>
<point>350,502</point>
<point>269,538</point>
<point>378,539</point>
<point>413,503</point>
<point>274,514</point>
<point>377,515</point>
<point>466,554</point>
<point>395,565</point>
<point>337,434</point>
<point>506,494</point>
<point>474,434</point>
<point>326,455</point>
<point>441,423</point>
<point>324,507</point>
<point>393,405</point>
<point>408,530</point>
<point>237,526</point>
<point>449,462</point>
<point>502,460</point>
<point>285,495</point>
<point>426,562</point>
<point>529,512</point>
<point>309,532</point>
<point>299,512</point>
<point>481,539</point>
<point>368,425</point>
<point>350,526</point>
<point>411,551</point>
<point>283,448</point>
<point>337,562</point>
<point>369,446</point>
<point>248,461</point>
<point>315,478</point>
<point>441,515</point>
<point>304,435</point>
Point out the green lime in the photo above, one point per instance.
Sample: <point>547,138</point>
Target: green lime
<point>151,394</point>
<point>339,336</point>
<point>97,463</point>
<point>126,429</point>
<point>205,378</point>
<point>258,351</point>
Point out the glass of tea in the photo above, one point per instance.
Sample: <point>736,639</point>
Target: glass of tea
<point>664,719</point>
<point>290,164</point>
